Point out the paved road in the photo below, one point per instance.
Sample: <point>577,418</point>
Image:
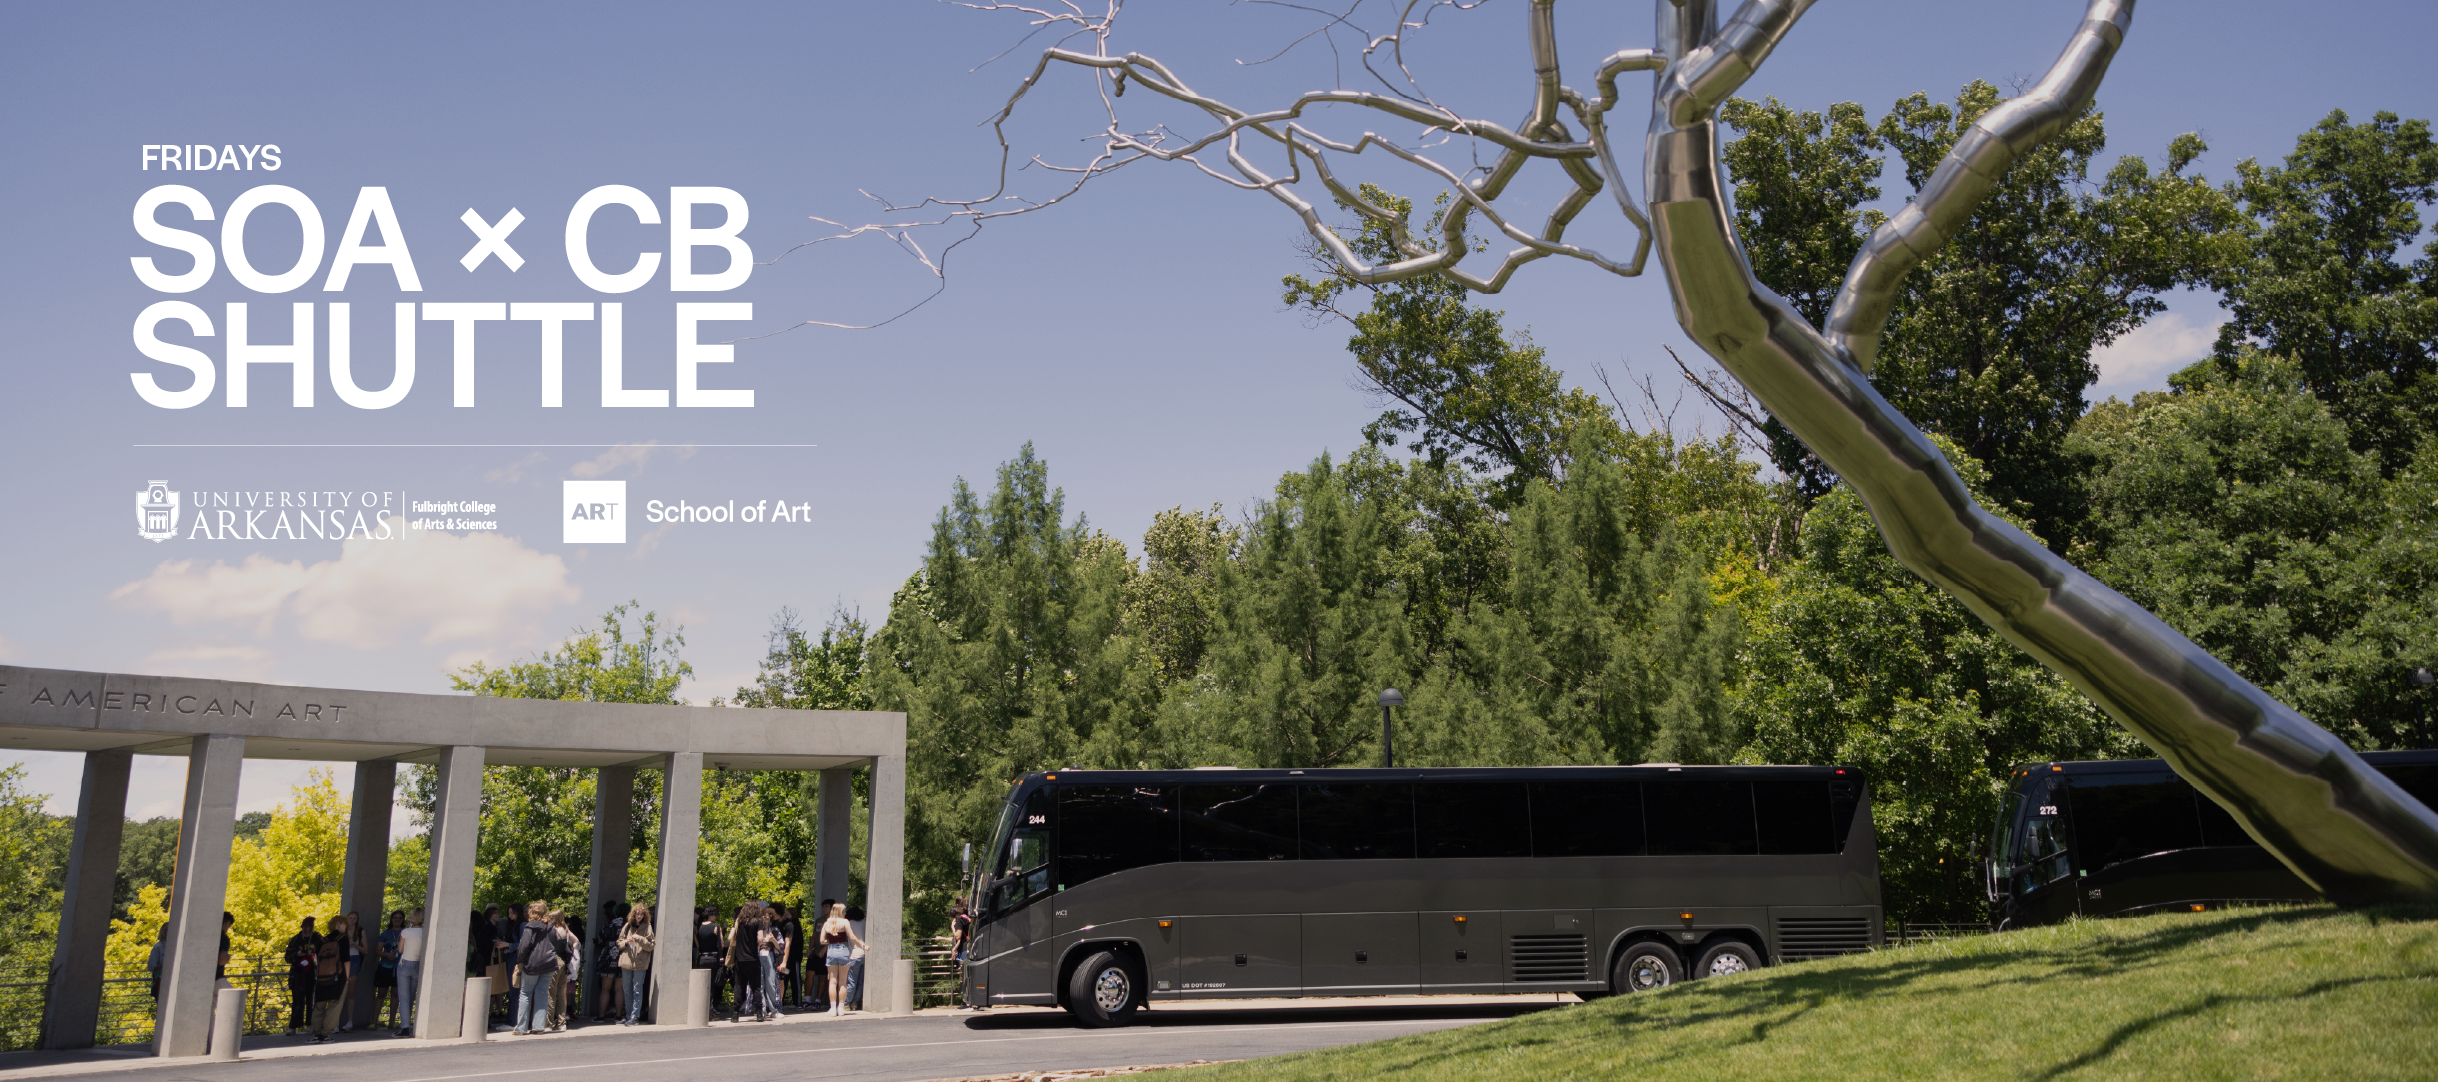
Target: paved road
<point>875,1050</point>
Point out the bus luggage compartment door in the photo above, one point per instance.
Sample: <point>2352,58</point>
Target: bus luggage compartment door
<point>1360,954</point>
<point>1230,956</point>
<point>1463,953</point>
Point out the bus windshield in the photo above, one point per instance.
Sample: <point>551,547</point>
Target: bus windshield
<point>2001,844</point>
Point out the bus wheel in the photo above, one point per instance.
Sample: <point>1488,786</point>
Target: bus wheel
<point>1726,958</point>
<point>1646,967</point>
<point>1104,990</point>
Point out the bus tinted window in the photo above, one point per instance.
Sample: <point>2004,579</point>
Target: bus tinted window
<point>1358,822</point>
<point>1793,816</point>
<point>1699,818</point>
<point>1105,829</point>
<point>1586,819</point>
<point>2118,817</point>
<point>2218,826</point>
<point>2419,779</point>
<point>1238,822</point>
<point>1472,819</point>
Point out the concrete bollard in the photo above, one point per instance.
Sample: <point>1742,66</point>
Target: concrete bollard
<point>228,1024</point>
<point>698,999</point>
<point>901,988</point>
<point>475,1024</point>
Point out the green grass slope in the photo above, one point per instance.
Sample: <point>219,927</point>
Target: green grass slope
<point>2307,992</point>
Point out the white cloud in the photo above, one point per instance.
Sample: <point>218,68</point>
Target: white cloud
<point>434,586</point>
<point>10,649</point>
<point>623,456</point>
<point>247,664</point>
<point>2142,360</point>
<point>515,471</point>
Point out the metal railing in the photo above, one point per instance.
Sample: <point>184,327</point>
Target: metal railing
<point>1904,933</point>
<point>938,980</point>
<point>128,1007</point>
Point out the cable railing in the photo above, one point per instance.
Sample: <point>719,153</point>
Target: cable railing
<point>128,1007</point>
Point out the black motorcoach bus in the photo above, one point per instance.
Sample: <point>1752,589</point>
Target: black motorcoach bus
<point>2127,836</point>
<point>1105,889</point>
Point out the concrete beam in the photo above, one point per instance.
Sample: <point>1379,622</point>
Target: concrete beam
<point>456,817</point>
<point>198,894</point>
<point>366,880</point>
<point>681,836</point>
<point>74,1007</point>
<point>884,903</point>
<point>833,840</point>
<point>613,844</point>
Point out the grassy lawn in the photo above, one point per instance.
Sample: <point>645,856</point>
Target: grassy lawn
<point>2306,992</point>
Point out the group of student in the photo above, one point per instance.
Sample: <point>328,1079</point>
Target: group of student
<point>761,959</point>
<point>327,972</point>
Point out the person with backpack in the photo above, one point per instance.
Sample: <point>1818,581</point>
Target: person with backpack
<point>563,938</point>
<point>537,961</point>
<point>329,979</point>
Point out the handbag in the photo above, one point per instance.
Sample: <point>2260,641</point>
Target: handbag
<point>499,977</point>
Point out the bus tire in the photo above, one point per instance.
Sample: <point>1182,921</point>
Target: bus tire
<point>1646,967</point>
<point>1104,990</point>
<point>1726,958</point>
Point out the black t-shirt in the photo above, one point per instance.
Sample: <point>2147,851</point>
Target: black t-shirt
<point>746,944</point>
<point>301,947</point>
<point>219,968</point>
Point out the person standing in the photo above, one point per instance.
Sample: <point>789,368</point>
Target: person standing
<point>537,961</point>
<point>815,964</point>
<point>605,1004</point>
<point>793,973</point>
<point>385,970</point>
<point>635,961</point>
<point>707,947</point>
<point>745,962</point>
<point>410,970</point>
<point>838,942</point>
<point>562,939</point>
<point>855,960</point>
<point>329,979</point>
<point>960,930</point>
<point>302,949</point>
<point>356,950</point>
<point>773,958</point>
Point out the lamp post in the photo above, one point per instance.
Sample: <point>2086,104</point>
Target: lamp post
<point>1392,698</point>
<point>2421,679</point>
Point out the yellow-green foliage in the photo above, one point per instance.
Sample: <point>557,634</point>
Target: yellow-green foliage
<point>2236,994</point>
<point>292,870</point>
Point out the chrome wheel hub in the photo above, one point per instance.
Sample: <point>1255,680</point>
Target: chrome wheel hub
<point>1727,965</point>
<point>1112,990</point>
<point>1647,973</point>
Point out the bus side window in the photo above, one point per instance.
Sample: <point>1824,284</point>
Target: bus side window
<point>2119,817</point>
<point>1793,816</point>
<point>1699,818</point>
<point>1472,819</point>
<point>1587,818</point>
<point>1238,822</point>
<point>2218,826</point>
<point>1106,829</point>
<point>1362,821</point>
<point>2418,779</point>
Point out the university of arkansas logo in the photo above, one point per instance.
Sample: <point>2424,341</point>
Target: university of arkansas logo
<point>156,512</point>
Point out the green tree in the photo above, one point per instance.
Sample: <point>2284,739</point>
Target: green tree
<point>148,856</point>
<point>800,673</point>
<point>1990,342</point>
<point>2235,508</point>
<point>1005,652</point>
<point>2323,281</point>
<point>33,872</point>
<point>1458,385</point>
<point>1171,605</point>
<point>1856,661</point>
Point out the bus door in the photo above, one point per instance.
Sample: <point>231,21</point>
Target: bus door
<point>2038,869</point>
<point>1018,946</point>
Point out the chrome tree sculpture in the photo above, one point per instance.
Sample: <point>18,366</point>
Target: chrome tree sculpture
<point>2342,826</point>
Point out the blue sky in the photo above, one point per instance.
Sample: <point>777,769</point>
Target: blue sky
<point>1134,335</point>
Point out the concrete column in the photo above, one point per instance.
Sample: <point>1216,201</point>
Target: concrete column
<point>681,835</point>
<point>456,816</point>
<point>833,841</point>
<point>613,836</point>
<point>367,877</point>
<point>75,1004</point>
<point>884,904</point>
<point>198,894</point>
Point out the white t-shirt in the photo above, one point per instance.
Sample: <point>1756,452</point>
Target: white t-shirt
<point>410,944</point>
<point>853,951</point>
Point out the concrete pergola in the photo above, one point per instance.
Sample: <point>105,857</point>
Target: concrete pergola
<point>216,725</point>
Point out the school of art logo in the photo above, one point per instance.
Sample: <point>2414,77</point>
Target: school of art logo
<point>156,512</point>
<point>593,513</point>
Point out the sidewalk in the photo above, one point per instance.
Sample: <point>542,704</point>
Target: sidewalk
<point>278,1046</point>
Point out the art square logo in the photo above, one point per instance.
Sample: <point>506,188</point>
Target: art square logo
<point>156,512</point>
<point>594,514</point>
